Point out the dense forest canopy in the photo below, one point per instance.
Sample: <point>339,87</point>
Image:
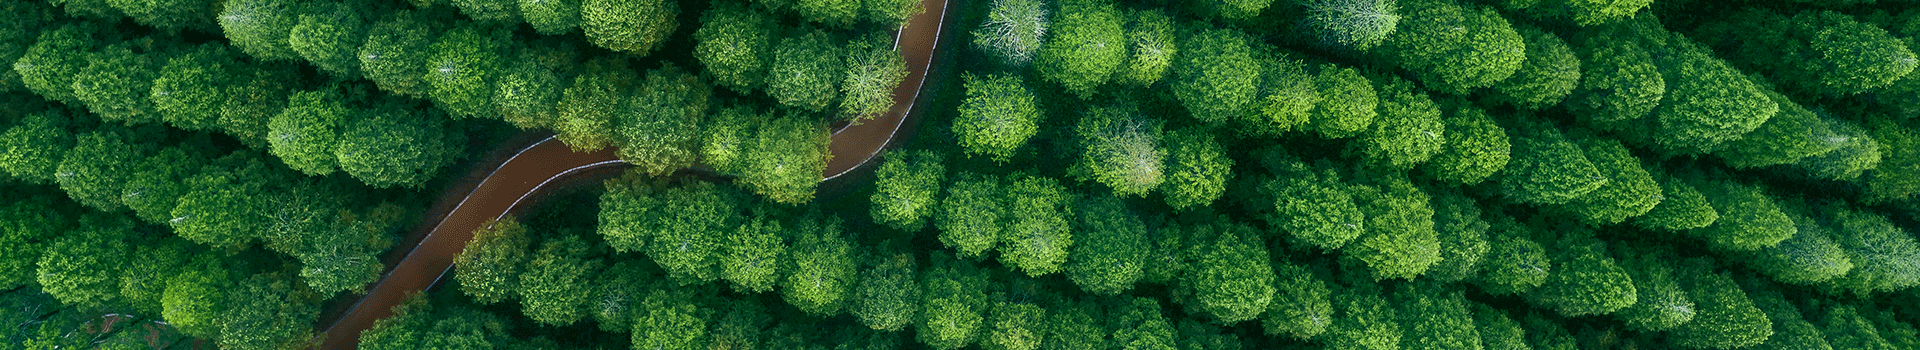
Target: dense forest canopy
<point>1087,174</point>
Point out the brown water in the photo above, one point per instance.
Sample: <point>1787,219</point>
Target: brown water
<point>518,179</point>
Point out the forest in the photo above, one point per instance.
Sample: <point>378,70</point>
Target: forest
<point>1080,174</point>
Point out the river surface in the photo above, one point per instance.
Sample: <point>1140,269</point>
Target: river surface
<point>512,182</point>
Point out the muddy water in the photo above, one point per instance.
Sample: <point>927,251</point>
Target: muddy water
<point>539,167</point>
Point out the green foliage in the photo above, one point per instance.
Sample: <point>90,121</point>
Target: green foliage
<point>24,21</point>
<point>1455,49</point>
<point>753,256</point>
<point>34,147</point>
<point>671,322</point>
<point>554,287</point>
<point>83,268</point>
<point>462,68</point>
<point>1463,237</point>
<point>191,87</point>
<point>823,267</point>
<point>1880,251</point>
<point>906,189</point>
<point>1037,235</point>
<point>1199,169</point>
<point>874,69</point>
<point>1853,152</point>
<point>735,45</point>
<point>1550,73</point>
<point>1436,318</point>
<point>1845,328</point>
<point>92,172</point>
<point>1312,205</point>
<point>1286,94</point>
<point>636,27</point>
<point>1749,218</point>
<point>1113,240</point>
<point>1215,75</point>
<point>1409,131</point>
<point>396,52</point>
<point>51,64</point>
<point>1545,334</point>
<point>589,106</point>
<point>972,214</point>
<point>260,27</point>
<point>551,17</point>
<point>528,92</point>
<point>1497,331</point>
<point>489,268</point>
<point>1120,148</point>
<point>655,133</point>
<point>1150,48</point>
<point>888,297</point>
<point>1014,29</point>
<point>1084,49</point>
<point>1788,136</point>
<point>787,159</point>
<point>115,85</point>
<point>396,147</point>
<point>1618,81</point>
<point>155,186</point>
<point>1683,207</point>
<point>1586,280</point>
<point>1816,51</point>
<point>952,304</point>
<point>329,36</point>
<point>192,299</point>
<point>1231,280</point>
<point>304,135</point>
<point>28,225</point>
<point>1709,103</point>
<point>1300,308</point>
<point>1356,25</point>
<point>726,137</point>
<point>1547,168</point>
<point>1629,190</point>
<point>1476,147</point>
<point>228,200</point>
<point>1514,263</point>
<point>1014,326</point>
<point>1365,321</point>
<point>1893,179</point>
<point>263,312</point>
<point>1400,241</point>
<point>806,71</point>
<point>1138,323</point>
<point>1662,302</point>
<point>830,13</point>
<point>1352,112</point>
<point>489,10</point>
<point>1726,317</point>
<point>1791,332</point>
<point>998,116</point>
<point>1809,257</point>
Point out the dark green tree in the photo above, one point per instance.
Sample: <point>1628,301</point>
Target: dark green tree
<point>1434,317</point>
<point>1409,131</point>
<point>998,116</point>
<point>1497,331</point>
<point>554,288</point>
<point>1618,81</point>
<point>1198,170</point>
<point>973,214</point>
<point>671,321</point>
<point>735,44</point>
<point>1514,263</point>
<point>1749,218</point>
<point>1476,147</point>
<point>155,186</point>
<point>1791,331</point>
<point>192,300</point>
<point>1586,280</point>
<point>1037,236</point>
<point>93,172</point>
<point>1364,320</point>
<point>489,10</point>
<point>1286,94</point>
<point>1463,236</point>
<point>1894,179</point>
<point>1086,45</point>
<point>1629,191</point>
<point>1810,256</point>
<point>1014,326</point>
<point>1880,251</point>
<point>1107,260</point>
<point>305,134</point>
<point>229,200</point>
<point>33,148</point>
<point>1075,325</point>
<point>253,99</point>
<point>874,69</point>
<point>116,82</point>
<point>51,64</point>
<point>1300,308</point>
<point>489,268</point>
<point>588,106</point>
<point>953,303</point>
<point>1550,73</point>
<point>190,89</point>
<point>395,146</point>
<point>1120,148</point>
<point>1853,152</point>
<point>461,69</point>
<point>907,189</point>
<point>29,224</point>
<point>1726,317</point>
<point>261,27</point>
<point>1138,323</point>
<point>727,135</point>
<point>753,254</point>
<point>1150,48</point>
<point>551,17</point>
<point>1454,49</point>
<point>1547,167</point>
<point>330,35</point>
<point>1232,280</point>
<point>1215,75</point>
<point>527,94</point>
<point>636,27</point>
<point>1845,328</point>
<point>824,267</point>
<point>1356,25</point>
<point>830,13</point>
<point>1708,104</point>
<point>1793,134</point>
<point>806,71</point>
<point>1818,52</point>
<point>396,51</point>
<point>1662,302</point>
<point>656,132</point>
<point>1352,112</point>
<point>888,297</point>
<point>787,159</point>
<point>1683,207</point>
<point>1400,241</point>
<point>83,268</point>
<point>266,312</point>
<point>1312,205</point>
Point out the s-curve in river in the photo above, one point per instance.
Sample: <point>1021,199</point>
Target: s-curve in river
<point>547,163</point>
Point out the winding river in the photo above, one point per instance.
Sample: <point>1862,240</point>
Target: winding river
<point>510,184</point>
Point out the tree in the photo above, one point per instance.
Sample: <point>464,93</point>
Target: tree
<point>727,136</point>
<point>823,267</point>
<point>551,17</point>
<point>1310,204</point>
<point>619,291</point>
<point>462,68</point>
<point>189,90</point>
<point>806,70</point>
<point>1409,131</point>
<point>1436,318</point>
<point>1475,147</point>
<point>1815,51</point>
<point>1356,25</point>
<point>25,21</point>
<point>905,193</point>
<point>143,280</point>
<point>1286,94</point>
<point>489,268</point>
<point>1618,82</point>
<point>489,10</point>
<point>787,159</point>
<point>1120,148</point>
<point>1629,191</point>
<point>1791,135</point>
<point>998,116</point>
<point>228,203</point>
<point>891,13</point>
<point>1337,118</point>
<point>1198,170</point>
<point>1551,72</point>
<point>671,322</point>
<point>192,300</point>
<point>1589,13</point>
<point>396,52</point>
<point>392,146</point>
<point>1662,302</point>
<point>261,27</point>
<point>1854,151</point>
<point>588,107</point>
<point>1810,256</point>
<point>1138,323</point>
<point>679,226</point>
<point>554,287</point>
<point>1150,48</point>
<point>29,225</point>
<point>1497,331</point>
<point>1881,253</point>
<point>753,254</point>
<point>1215,75</point>
<point>83,269</point>
<point>1726,318</point>
<point>952,304</point>
<point>116,82</point>
<point>1072,324</point>
<point>1749,219</point>
<point>304,135</point>
<point>874,69</point>
<point>1845,328</point>
<point>1107,260</point>
<point>1037,235</point>
<point>1709,104</point>
<point>36,145</point>
<point>93,174</point>
<point>1014,29</point>
<point>1463,237</point>
<point>1546,334</point>
<point>888,297</point>
<point>1086,47</point>
<point>1014,326</point>
<point>1791,331</point>
<point>1400,241</point>
<point>1547,168</point>
<point>1455,49</point>
<point>329,35</point>
<point>973,214</point>
<point>735,45</point>
<point>636,27</point>
<point>1586,280</point>
<point>1365,321</point>
<point>1514,264</point>
<point>253,100</point>
<point>831,13</point>
<point>1300,308</point>
<point>1894,178</point>
<point>1232,280</point>
<point>155,186</point>
<point>1682,208</point>
<point>265,312</point>
<point>656,132</point>
<point>527,94</point>
<point>51,64</point>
